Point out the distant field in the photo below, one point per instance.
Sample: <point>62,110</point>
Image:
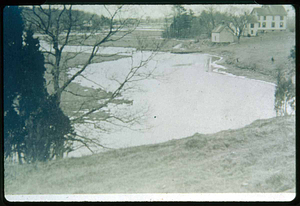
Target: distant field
<point>252,56</point>
<point>257,158</point>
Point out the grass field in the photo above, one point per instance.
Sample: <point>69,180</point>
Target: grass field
<point>257,158</point>
<point>254,55</point>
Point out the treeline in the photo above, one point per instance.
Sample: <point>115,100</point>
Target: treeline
<point>184,23</point>
<point>84,21</point>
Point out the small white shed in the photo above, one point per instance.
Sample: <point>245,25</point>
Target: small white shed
<point>222,34</point>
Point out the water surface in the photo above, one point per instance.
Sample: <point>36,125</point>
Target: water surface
<point>189,99</point>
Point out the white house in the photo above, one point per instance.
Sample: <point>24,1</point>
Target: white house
<point>222,34</point>
<point>251,27</point>
<point>270,18</point>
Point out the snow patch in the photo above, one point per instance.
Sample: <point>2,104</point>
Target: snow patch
<point>178,46</point>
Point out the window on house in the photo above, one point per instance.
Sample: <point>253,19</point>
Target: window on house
<point>281,17</point>
<point>252,25</point>
<point>265,18</point>
<point>281,24</point>
<point>251,31</point>
<point>273,18</point>
<point>264,24</point>
<point>273,24</point>
<point>215,38</point>
<point>259,24</point>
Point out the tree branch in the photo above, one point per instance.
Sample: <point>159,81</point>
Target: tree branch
<point>93,141</point>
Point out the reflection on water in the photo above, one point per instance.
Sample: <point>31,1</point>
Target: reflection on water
<point>188,100</point>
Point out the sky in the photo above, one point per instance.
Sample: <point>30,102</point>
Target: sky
<point>160,11</point>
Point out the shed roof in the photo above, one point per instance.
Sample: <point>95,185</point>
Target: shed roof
<point>219,28</point>
<point>270,11</point>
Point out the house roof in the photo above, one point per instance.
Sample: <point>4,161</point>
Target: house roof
<point>270,11</point>
<point>252,19</point>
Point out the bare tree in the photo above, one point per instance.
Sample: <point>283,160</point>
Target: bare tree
<point>210,18</point>
<point>211,12</point>
<point>59,26</point>
<point>237,23</point>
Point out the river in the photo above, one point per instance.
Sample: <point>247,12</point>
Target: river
<point>188,99</point>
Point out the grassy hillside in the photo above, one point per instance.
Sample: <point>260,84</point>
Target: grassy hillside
<point>252,57</point>
<point>257,158</point>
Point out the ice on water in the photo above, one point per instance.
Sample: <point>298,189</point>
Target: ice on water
<point>187,100</point>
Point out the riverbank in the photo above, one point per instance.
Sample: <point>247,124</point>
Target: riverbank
<point>259,158</point>
<point>252,57</point>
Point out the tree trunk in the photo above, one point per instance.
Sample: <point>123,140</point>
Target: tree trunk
<point>56,70</point>
<point>20,157</point>
<point>285,106</point>
<point>239,36</point>
<point>59,154</point>
<point>18,147</point>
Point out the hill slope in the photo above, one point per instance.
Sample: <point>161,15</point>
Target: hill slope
<point>257,158</point>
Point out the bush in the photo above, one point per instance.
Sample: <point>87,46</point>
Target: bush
<point>284,94</point>
<point>230,60</point>
<point>252,67</point>
<point>285,89</point>
<point>198,143</point>
<point>48,131</point>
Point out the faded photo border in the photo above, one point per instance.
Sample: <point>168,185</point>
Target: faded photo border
<point>159,197</point>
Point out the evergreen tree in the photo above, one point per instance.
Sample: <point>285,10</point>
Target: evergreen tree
<point>12,62</point>
<point>35,128</point>
<point>182,22</point>
<point>49,132</point>
<point>33,88</point>
<point>46,125</point>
